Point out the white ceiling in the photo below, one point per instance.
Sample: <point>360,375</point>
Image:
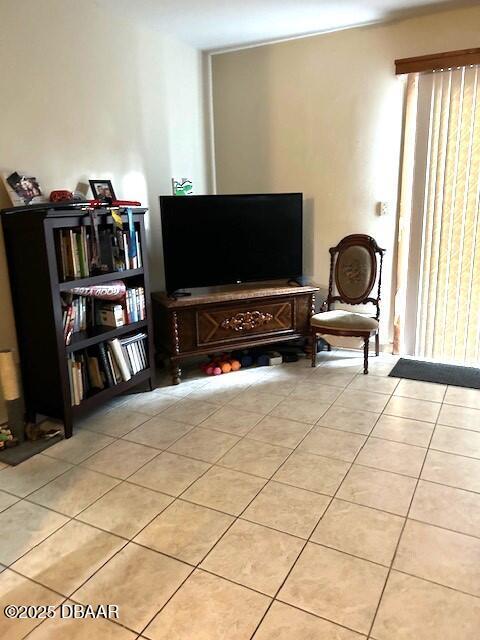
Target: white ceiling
<point>221,24</point>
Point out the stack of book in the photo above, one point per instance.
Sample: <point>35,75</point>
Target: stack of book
<point>117,252</point>
<point>106,365</point>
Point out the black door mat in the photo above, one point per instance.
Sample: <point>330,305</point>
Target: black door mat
<point>451,374</point>
<point>27,449</point>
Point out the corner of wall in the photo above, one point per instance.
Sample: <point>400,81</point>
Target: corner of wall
<point>209,122</point>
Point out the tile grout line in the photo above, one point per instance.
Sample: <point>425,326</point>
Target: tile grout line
<point>80,464</point>
<point>116,439</point>
<point>131,541</point>
<point>71,518</point>
<point>236,518</point>
<point>390,569</point>
<point>29,633</point>
<point>309,538</point>
<point>269,480</point>
<point>121,481</point>
<point>211,465</point>
<point>245,436</point>
<point>405,517</point>
<point>75,464</point>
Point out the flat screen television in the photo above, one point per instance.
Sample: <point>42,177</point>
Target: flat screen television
<point>225,239</point>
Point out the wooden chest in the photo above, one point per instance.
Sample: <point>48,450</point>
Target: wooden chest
<point>230,318</point>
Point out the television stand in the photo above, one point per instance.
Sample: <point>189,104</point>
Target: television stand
<point>229,318</point>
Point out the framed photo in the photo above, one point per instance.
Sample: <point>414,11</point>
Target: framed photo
<point>102,189</point>
<point>22,188</point>
<point>182,187</point>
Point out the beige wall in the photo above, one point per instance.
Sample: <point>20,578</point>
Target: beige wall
<point>85,95</point>
<point>323,115</point>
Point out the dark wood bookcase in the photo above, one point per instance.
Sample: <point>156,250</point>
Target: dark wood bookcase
<point>32,254</point>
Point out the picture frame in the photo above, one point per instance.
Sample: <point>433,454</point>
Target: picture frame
<point>182,187</point>
<point>22,188</point>
<point>102,189</point>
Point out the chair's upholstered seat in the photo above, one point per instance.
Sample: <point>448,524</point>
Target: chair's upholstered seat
<point>344,321</point>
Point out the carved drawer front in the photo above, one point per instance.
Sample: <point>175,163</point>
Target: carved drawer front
<point>246,321</point>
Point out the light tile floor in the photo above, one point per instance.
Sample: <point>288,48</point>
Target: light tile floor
<point>284,503</point>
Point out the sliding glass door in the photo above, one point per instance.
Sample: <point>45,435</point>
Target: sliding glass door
<point>442,296</point>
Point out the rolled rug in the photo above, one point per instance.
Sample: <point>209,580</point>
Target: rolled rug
<point>11,393</point>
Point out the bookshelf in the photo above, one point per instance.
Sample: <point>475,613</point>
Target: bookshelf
<point>36,264</point>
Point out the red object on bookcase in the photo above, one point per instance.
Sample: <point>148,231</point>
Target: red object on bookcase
<point>114,203</point>
<point>114,290</point>
<point>59,195</point>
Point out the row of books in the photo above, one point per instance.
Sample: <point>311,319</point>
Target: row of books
<point>75,316</point>
<point>116,252</point>
<point>106,365</point>
<point>133,257</point>
<point>119,252</point>
<point>81,313</point>
<point>135,304</point>
<point>74,248</point>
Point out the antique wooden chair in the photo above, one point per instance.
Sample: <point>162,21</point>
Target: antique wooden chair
<point>355,263</point>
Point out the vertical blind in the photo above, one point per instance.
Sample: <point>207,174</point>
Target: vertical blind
<point>448,309</point>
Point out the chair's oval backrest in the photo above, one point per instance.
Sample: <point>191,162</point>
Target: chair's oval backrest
<point>355,270</point>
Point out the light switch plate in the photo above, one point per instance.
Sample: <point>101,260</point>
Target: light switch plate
<point>382,208</point>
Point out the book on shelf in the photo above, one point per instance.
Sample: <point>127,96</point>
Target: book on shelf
<point>131,244</point>
<point>94,373</point>
<point>139,263</point>
<point>117,251</point>
<point>102,349</point>
<point>119,356</point>
<point>105,365</point>
<point>117,374</point>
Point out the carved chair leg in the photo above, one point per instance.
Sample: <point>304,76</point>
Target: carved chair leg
<point>365,355</point>
<point>377,344</point>
<point>314,348</point>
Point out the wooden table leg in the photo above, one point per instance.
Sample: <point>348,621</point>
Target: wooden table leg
<point>176,373</point>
